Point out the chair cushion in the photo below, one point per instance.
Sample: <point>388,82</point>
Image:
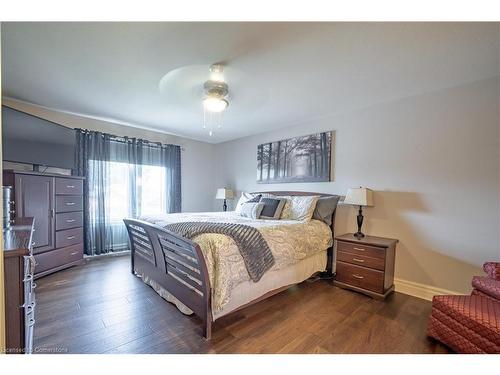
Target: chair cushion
<point>487,286</point>
<point>477,292</point>
<point>448,333</point>
<point>478,314</point>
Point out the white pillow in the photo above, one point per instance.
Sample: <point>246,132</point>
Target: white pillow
<point>244,198</point>
<point>251,210</point>
<point>299,207</point>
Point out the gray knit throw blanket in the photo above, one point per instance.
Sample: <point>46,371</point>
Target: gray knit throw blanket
<point>251,244</point>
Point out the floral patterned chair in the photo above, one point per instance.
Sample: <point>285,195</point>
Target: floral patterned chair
<point>470,324</point>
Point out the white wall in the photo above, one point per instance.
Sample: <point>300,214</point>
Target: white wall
<point>434,164</point>
<point>197,158</point>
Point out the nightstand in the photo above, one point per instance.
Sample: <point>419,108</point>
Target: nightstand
<point>366,265</point>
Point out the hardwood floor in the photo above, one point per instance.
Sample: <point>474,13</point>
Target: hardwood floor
<point>101,307</point>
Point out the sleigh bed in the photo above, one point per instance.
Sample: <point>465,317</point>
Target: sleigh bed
<point>177,268</point>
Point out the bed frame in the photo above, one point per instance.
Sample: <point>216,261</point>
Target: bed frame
<point>177,264</point>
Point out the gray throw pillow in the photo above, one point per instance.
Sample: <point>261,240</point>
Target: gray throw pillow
<point>272,208</point>
<point>255,199</point>
<point>325,207</point>
<point>251,210</point>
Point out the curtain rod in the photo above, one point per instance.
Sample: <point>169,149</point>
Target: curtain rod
<point>124,139</point>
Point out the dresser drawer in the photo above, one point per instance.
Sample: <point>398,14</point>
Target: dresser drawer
<point>69,237</point>
<point>360,249</point>
<point>361,260</point>
<point>360,276</point>
<point>69,186</point>
<point>69,220</point>
<point>68,203</point>
<point>59,257</point>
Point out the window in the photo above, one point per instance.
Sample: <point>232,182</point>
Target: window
<point>149,186</point>
<point>153,193</point>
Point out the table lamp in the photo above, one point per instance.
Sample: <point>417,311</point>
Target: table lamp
<point>223,193</point>
<point>359,197</point>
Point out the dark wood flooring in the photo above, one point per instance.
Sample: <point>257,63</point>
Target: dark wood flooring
<point>100,307</point>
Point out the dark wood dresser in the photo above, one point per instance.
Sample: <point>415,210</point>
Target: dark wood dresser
<point>19,287</point>
<point>366,265</point>
<point>56,203</point>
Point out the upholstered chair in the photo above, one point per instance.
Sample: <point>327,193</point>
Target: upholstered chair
<point>470,324</point>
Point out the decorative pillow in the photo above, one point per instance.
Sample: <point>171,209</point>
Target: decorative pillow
<point>245,197</point>
<point>325,207</point>
<point>299,207</point>
<point>272,208</point>
<point>251,210</point>
<point>255,199</point>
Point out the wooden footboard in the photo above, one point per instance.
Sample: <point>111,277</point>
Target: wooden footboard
<point>174,262</point>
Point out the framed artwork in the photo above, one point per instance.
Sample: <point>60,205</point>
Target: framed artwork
<point>301,159</point>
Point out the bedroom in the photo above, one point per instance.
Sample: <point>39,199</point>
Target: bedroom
<point>251,187</point>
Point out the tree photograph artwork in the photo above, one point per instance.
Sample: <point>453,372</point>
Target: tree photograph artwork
<point>301,159</point>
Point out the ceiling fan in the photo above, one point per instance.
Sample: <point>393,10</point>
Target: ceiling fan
<point>215,99</point>
<point>203,92</point>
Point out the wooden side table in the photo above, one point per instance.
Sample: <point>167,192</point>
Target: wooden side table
<point>366,265</point>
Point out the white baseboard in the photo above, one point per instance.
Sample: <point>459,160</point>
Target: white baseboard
<point>420,290</point>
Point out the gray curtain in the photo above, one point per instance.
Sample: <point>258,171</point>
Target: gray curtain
<point>94,152</point>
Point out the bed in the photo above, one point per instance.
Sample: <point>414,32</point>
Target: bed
<point>214,282</point>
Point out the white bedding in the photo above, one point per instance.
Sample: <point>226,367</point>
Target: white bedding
<point>290,242</point>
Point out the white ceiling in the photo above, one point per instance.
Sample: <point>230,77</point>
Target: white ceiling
<point>284,73</point>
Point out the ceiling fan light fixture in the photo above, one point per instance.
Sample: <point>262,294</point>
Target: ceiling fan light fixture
<point>215,104</point>
<point>215,99</point>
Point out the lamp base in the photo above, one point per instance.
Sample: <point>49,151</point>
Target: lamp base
<point>359,219</point>
<point>359,235</point>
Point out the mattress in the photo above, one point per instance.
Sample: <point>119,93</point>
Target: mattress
<point>290,242</point>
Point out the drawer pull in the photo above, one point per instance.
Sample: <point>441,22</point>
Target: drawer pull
<point>70,186</point>
<point>70,237</point>
<point>30,307</point>
<point>358,260</point>
<point>74,253</point>
<point>359,248</point>
<point>70,203</point>
<point>70,220</point>
<point>357,276</point>
<point>31,323</point>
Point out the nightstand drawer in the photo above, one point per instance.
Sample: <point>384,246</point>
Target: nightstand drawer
<point>360,276</point>
<point>361,260</point>
<point>361,249</point>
